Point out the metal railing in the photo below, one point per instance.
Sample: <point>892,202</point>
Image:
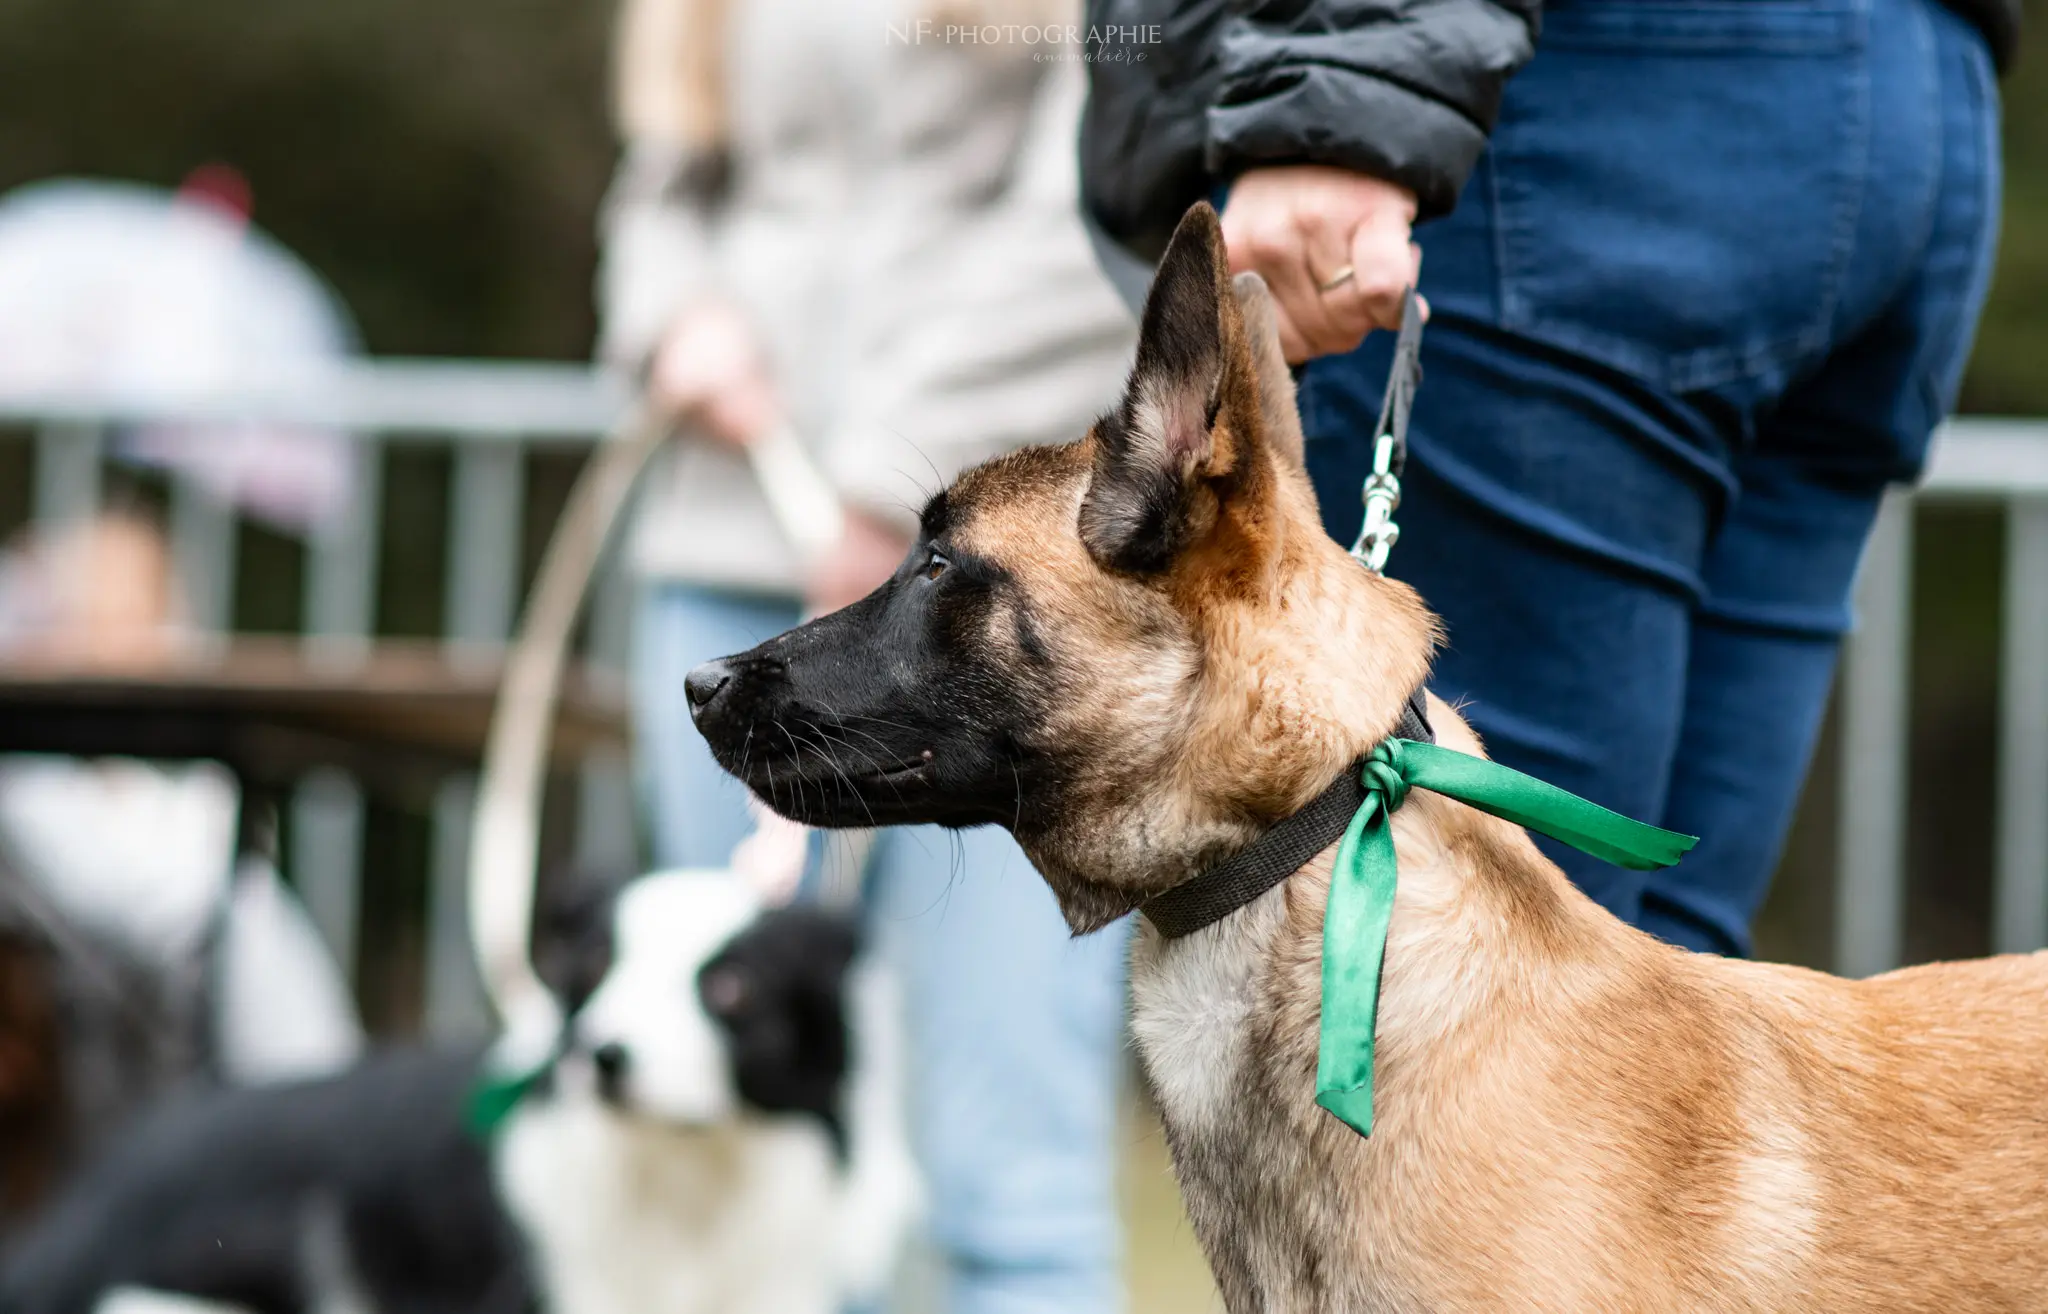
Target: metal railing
<point>490,414</point>
<point>1977,460</point>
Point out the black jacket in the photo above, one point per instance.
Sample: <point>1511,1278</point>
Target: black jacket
<point>1186,93</point>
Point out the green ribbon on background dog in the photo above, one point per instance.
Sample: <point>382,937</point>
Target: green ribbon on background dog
<point>491,1100</point>
<point>1363,879</point>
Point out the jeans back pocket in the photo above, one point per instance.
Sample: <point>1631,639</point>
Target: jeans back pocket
<point>1673,185</point>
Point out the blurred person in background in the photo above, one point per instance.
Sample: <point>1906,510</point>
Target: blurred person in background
<point>829,216</point>
<point>164,952</point>
<point>1704,279</point>
<point>129,292</point>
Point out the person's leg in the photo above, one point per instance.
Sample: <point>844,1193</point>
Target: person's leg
<point>1761,660</point>
<point>1778,573</point>
<point>1016,1032</point>
<point>1650,243</point>
<point>696,813</point>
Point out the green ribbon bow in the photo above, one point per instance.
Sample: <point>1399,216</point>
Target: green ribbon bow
<point>1362,888</point>
<point>494,1096</point>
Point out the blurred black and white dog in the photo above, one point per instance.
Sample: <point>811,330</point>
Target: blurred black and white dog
<point>722,1133</point>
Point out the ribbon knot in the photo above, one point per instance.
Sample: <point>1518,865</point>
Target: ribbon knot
<point>1362,883</point>
<point>1386,774</point>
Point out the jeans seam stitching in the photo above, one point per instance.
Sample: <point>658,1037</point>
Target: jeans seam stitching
<point>1501,280</point>
<point>1934,389</point>
<point>1849,210</point>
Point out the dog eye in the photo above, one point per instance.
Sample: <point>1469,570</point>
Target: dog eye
<point>934,566</point>
<point>724,992</point>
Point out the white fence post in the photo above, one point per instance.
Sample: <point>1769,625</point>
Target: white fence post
<point>1870,885</point>
<point>485,505</point>
<point>67,473</point>
<point>2020,909</point>
<point>203,543</point>
<point>340,614</point>
<point>341,568</point>
<point>485,508</point>
<point>327,860</point>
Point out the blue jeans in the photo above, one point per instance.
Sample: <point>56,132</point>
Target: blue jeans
<point>1708,293</point>
<point>1016,1027</point>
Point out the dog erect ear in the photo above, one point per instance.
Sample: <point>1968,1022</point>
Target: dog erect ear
<point>1183,443</point>
<point>1276,381</point>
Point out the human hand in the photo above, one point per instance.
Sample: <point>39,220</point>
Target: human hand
<point>710,369</point>
<point>1301,227</point>
<point>868,553</point>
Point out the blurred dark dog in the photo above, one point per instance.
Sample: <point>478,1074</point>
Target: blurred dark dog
<point>720,1132</point>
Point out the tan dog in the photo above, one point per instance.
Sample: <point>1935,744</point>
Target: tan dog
<point>1140,652</point>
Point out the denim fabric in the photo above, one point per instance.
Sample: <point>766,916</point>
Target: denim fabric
<point>1016,1027</point>
<point>1708,293</point>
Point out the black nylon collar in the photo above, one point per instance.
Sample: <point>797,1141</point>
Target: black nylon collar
<point>1277,854</point>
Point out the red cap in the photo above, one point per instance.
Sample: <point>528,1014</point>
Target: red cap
<point>220,188</point>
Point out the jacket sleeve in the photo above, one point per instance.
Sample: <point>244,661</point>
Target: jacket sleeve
<point>1405,90</point>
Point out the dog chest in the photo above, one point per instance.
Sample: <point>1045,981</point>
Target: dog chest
<point>625,1217</point>
<point>1256,1183</point>
<point>1190,1002</point>
<point>1194,1002</point>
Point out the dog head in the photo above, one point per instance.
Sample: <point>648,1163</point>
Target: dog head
<point>1133,650</point>
<point>712,1006</point>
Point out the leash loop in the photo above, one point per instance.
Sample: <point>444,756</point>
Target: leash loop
<point>1382,493</point>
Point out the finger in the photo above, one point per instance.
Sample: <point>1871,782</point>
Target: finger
<point>1272,249</point>
<point>1384,267</point>
<point>1330,323</point>
<point>1415,279</point>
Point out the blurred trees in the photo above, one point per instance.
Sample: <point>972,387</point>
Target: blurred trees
<point>2007,375</point>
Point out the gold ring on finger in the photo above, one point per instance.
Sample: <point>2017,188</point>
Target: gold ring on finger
<point>1337,280</point>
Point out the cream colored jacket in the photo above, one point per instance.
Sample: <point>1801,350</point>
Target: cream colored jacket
<point>901,225</point>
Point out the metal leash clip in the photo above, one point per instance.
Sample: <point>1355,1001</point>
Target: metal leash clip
<point>1379,533</point>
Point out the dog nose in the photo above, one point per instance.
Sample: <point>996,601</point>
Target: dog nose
<point>610,1061</point>
<point>703,684</point>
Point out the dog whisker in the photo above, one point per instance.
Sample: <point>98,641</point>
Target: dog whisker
<point>796,774</point>
<point>874,739</point>
<point>840,771</point>
<point>881,770</point>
